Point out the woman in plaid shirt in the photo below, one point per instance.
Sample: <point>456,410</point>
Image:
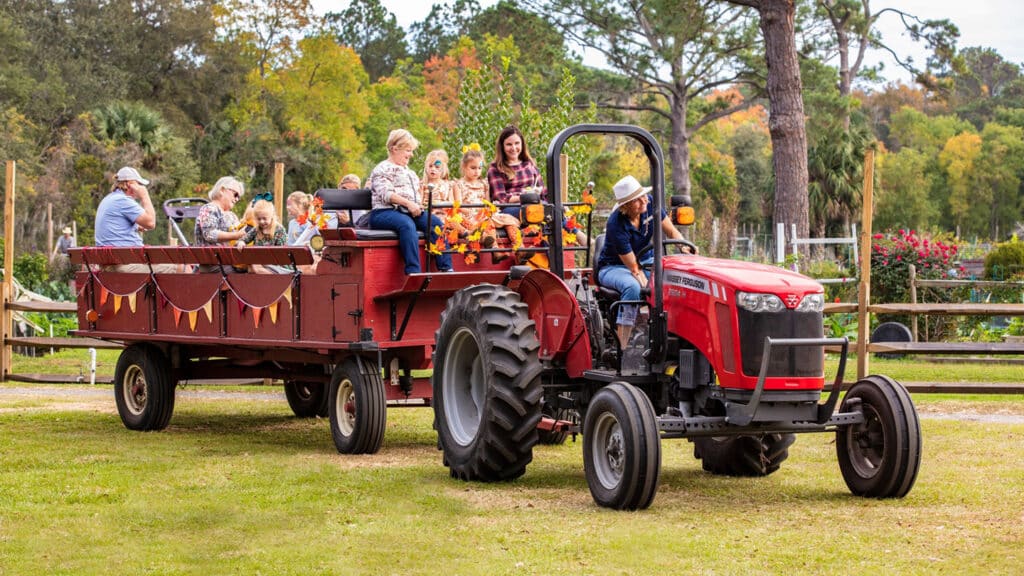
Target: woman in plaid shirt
<point>513,171</point>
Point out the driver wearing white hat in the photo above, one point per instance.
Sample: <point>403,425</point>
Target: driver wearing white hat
<point>627,239</point>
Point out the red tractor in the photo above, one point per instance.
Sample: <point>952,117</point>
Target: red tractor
<point>731,356</point>
<point>732,359</point>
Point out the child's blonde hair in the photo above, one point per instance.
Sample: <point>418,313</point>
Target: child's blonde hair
<point>469,154</point>
<point>262,207</point>
<point>434,156</point>
<point>300,199</point>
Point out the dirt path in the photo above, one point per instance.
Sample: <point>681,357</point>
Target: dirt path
<point>99,399</point>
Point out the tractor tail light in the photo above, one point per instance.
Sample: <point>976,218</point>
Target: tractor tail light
<point>683,215</point>
<point>533,213</point>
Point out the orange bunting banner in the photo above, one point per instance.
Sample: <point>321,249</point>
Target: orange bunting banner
<point>177,317</point>
<point>256,312</point>
<point>117,303</point>
<point>273,312</point>
<point>103,295</point>
<point>132,301</point>
<point>288,296</point>
<point>192,320</point>
<point>208,308</point>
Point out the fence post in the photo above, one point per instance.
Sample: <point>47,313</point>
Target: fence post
<point>8,285</point>
<point>864,291</point>
<point>279,191</point>
<point>912,273</point>
<point>780,242</point>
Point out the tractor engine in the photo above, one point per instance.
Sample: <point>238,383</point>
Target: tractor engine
<point>724,310</point>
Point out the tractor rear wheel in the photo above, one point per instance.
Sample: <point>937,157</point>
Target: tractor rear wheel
<point>744,455</point>
<point>144,388</point>
<point>621,448</point>
<point>306,399</point>
<point>486,384</point>
<point>880,457</point>
<point>357,407</point>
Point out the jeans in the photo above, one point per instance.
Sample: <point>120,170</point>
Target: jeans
<point>619,278</point>
<point>408,241</point>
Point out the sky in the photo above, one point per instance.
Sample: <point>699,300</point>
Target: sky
<point>988,23</point>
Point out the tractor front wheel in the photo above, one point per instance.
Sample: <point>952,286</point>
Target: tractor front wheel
<point>621,448</point>
<point>744,455</point>
<point>880,457</point>
<point>357,407</point>
<point>486,384</point>
<point>144,388</point>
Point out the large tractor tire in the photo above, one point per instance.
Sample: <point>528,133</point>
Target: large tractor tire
<point>486,384</point>
<point>357,407</point>
<point>307,399</point>
<point>621,448</point>
<point>144,388</point>
<point>880,457</point>
<point>743,455</point>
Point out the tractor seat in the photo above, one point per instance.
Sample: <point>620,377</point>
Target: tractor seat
<point>604,293</point>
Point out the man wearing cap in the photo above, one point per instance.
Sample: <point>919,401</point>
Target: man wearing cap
<point>630,230</point>
<point>123,214</point>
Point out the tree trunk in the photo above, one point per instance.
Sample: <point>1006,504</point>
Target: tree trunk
<point>786,121</point>
<point>679,147</point>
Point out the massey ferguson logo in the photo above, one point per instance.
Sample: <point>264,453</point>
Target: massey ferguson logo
<point>791,300</point>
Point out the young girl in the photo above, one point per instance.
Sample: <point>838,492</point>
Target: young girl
<point>471,189</point>
<point>267,232</point>
<point>435,173</point>
<point>297,203</point>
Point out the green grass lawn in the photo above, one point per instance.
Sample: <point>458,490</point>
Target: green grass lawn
<point>240,486</point>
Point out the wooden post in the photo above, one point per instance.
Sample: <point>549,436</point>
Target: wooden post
<point>8,284</point>
<point>913,300</point>
<point>864,291</point>
<point>279,191</point>
<point>49,230</point>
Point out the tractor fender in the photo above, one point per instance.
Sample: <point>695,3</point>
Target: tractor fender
<point>561,329</point>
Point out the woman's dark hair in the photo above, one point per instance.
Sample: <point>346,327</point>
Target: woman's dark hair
<point>499,155</point>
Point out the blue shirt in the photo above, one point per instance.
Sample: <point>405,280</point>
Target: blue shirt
<point>621,237</point>
<point>115,220</point>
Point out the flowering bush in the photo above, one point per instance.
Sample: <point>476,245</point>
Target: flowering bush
<point>891,257</point>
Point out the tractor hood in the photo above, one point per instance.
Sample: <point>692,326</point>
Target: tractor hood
<point>740,275</point>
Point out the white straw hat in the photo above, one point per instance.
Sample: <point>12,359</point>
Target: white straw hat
<point>627,190</point>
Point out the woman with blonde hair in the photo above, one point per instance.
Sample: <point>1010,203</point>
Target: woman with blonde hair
<point>396,202</point>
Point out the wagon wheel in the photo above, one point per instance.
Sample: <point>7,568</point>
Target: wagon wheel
<point>621,448</point>
<point>744,455</point>
<point>144,388</point>
<point>486,384</point>
<point>357,407</point>
<point>880,457</point>
<point>306,399</point>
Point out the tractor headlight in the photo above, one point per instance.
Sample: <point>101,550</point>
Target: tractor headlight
<point>812,303</point>
<point>759,302</point>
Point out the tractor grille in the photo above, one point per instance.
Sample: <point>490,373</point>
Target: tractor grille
<point>794,361</point>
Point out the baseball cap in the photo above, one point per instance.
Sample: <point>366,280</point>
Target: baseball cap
<point>128,173</point>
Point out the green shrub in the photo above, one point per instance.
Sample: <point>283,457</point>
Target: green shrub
<point>1006,260</point>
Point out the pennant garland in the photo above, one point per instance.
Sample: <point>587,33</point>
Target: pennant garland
<point>207,307</point>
